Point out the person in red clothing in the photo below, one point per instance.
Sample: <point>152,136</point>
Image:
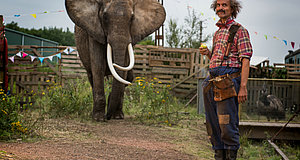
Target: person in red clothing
<point>222,116</point>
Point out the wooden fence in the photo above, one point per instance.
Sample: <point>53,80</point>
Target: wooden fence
<point>293,70</point>
<point>287,90</point>
<point>168,65</point>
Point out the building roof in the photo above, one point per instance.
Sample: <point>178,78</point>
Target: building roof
<point>292,54</point>
<point>28,35</point>
<point>256,60</point>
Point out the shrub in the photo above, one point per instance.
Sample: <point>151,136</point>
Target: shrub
<point>74,100</point>
<point>11,120</point>
<point>151,102</point>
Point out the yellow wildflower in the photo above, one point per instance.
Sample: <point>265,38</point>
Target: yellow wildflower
<point>48,80</point>
<point>4,111</point>
<point>170,124</point>
<point>166,121</point>
<point>155,78</point>
<point>163,101</point>
<point>149,113</point>
<point>168,86</point>
<point>143,87</point>
<point>159,81</point>
<point>138,78</point>
<point>157,92</point>
<point>3,99</point>
<point>43,93</point>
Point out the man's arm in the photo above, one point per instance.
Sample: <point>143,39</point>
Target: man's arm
<point>242,96</point>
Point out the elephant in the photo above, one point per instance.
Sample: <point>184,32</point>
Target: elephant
<point>105,31</point>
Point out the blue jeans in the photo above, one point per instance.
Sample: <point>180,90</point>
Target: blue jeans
<point>222,118</point>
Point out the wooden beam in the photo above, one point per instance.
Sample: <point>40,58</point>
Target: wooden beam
<point>278,150</point>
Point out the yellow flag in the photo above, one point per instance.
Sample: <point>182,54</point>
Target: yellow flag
<point>33,15</point>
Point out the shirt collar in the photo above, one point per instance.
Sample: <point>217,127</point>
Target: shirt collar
<point>228,23</point>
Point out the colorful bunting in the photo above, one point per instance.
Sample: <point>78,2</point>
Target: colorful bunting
<point>41,59</point>
<point>58,55</point>
<point>12,58</point>
<point>266,37</point>
<point>33,15</point>
<point>68,50</point>
<point>19,54</point>
<point>24,55</point>
<point>285,42</point>
<point>293,44</point>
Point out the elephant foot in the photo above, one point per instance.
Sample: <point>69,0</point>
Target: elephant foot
<point>99,117</point>
<point>115,116</point>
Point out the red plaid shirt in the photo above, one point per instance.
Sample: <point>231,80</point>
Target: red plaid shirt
<point>241,48</point>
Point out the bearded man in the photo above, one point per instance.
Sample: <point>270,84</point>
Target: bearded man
<point>226,85</point>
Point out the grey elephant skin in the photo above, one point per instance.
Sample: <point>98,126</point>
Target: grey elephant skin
<point>104,24</point>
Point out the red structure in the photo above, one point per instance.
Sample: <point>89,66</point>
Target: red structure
<point>3,57</point>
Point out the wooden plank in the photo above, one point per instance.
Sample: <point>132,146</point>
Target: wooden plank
<point>73,70</point>
<point>73,65</point>
<point>169,70</point>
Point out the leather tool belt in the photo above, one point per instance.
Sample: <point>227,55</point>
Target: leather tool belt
<point>223,86</point>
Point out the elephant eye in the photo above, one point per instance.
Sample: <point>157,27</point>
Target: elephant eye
<point>132,16</point>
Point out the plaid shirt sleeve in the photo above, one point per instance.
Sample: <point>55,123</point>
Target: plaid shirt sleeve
<point>243,44</point>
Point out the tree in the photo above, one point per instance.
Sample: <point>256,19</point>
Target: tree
<point>147,41</point>
<point>193,31</point>
<point>65,38</point>
<point>173,36</point>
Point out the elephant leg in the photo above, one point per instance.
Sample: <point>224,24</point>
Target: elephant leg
<point>98,68</point>
<point>82,43</point>
<point>115,102</point>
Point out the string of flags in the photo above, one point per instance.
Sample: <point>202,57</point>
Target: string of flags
<point>21,54</point>
<point>285,42</point>
<point>35,14</point>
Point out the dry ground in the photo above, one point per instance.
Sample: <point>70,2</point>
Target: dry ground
<point>116,139</point>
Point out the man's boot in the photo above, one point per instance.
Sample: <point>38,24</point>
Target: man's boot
<point>220,154</point>
<point>231,154</point>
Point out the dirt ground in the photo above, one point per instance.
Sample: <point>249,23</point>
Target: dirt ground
<point>116,139</point>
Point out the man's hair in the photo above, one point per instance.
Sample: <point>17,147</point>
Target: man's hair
<point>234,4</point>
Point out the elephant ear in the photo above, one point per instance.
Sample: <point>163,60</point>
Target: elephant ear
<point>149,16</point>
<point>84,13</point>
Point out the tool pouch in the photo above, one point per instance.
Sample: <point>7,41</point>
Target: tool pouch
<point>223,88</point>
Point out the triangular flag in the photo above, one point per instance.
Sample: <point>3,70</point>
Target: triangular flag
<point>19,54</point>
<point>256,33</point>
<point>266,37</point>
<point>66,50</point>
<point>71,49</point>
<point>276,37</point>
<point>33,15</point>
<point>24,54</point>
<point>12,58</point>
<point>293,44</point>
<point>58,55</point>
<point>285,42</point>
<point>41,59</point>
<point>214,18</point>
<point>32,58</point>
<point>46,12</point>
<point>17,15</point>
<point>50,58</point>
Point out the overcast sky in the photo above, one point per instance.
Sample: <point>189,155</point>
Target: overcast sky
<point>261,17</point>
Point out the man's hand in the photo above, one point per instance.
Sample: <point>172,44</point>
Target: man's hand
<point>242,96</point>
<point>204,50</point>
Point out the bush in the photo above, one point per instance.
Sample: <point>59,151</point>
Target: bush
<point>152,105</point>
<point>74,100</point>
<point>11,120</point>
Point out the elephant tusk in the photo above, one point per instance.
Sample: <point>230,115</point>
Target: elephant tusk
<point>131,58</point>
<point>112,69</point>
